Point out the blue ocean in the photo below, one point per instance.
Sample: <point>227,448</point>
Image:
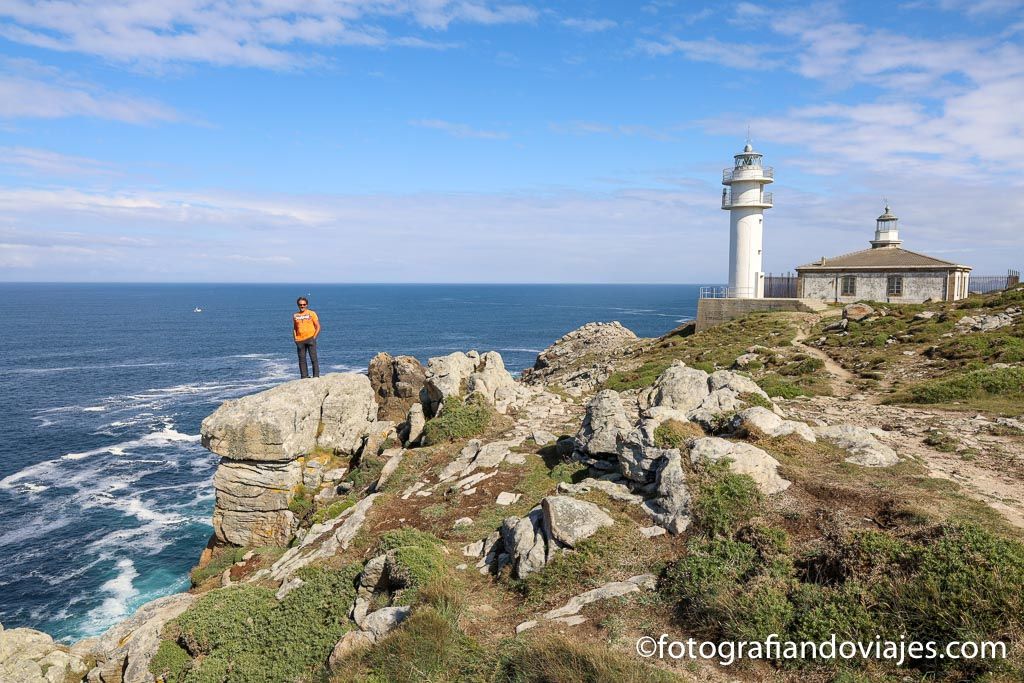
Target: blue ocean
<point>105,492</point>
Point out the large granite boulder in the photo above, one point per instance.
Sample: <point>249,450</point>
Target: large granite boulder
<point>861,444</point>
<point>462,374</point>
<point>446,376</point>
<point>333,411</point>
<point>252,501</point>
<point>568,521</point>
<point>30,656</point>
<point>680,387</point>
<point>396,382</point>
<point>491,380</point>
<point>637,454</point>
<point>742,458</point>
<point>857,312</point>
<point>605,420</point>
<point>670,506</point>
<point>528,543</point>
<point>525,543</point>
<point>770,424</point>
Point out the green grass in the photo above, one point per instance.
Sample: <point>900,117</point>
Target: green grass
<point>552,659</point>
<point>244,634</point>
<point>331,511</point>
<point>302,502</point>
<point>227,556</point>
<point>430,646</point>
<point>460,419</point>
<point>717,347</point>
<point>778,387</point>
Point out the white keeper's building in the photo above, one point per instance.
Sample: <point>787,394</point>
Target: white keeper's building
<point>885,272</point>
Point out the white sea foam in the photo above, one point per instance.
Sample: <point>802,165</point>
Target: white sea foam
<point>164,437</point>
<point>120,590</point>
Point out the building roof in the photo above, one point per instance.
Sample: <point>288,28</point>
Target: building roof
<point>883,258</point>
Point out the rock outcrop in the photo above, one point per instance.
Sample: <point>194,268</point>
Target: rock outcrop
<point>578,361</point>
<point>123,653</point>
<point>528,543</point>
<point>264,440</point>
<point>742,458</point>
<point>396,382</point>
<point>863,447</point>
<point>462,374</point>
<point>30,656</point>
<point>604,422</point>
<point>770,424</point>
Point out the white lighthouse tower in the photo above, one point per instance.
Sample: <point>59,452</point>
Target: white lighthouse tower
<point>745,200</point>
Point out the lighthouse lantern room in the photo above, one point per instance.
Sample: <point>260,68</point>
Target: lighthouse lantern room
<point>745,200</point>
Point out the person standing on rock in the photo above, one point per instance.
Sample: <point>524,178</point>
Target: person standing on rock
<point>306,328</point>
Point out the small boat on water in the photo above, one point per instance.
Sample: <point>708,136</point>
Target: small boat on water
<point>197,310</point>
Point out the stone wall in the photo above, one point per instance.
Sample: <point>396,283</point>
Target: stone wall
<point>918,286</point>
<point>711,312</point>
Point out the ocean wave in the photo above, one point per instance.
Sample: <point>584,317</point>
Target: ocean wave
<point>120,590</point>
<point>165,436</point>
<point>521,350</point>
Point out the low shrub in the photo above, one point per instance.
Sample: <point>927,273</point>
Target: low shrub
<point>244,633</point>
<point>331,511</point>
<point>676,434</point>
<point>644,376</point>
<point>753,399</point>
<point>952,582</point>
<point>460,419</point>
<point>805,365</point>
<point>171,662</point>
<point>221,560</point>
<point>775,386</point>
<point>1001,383</point>
<point>723,501</point>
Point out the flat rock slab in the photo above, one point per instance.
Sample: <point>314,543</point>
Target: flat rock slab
<point>861,444</point>
<point>568,520</point>
<point>609,590</point>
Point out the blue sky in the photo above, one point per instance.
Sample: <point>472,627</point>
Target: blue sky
<point>490,141</point>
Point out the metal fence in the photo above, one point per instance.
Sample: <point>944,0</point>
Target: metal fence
<point>982,284</point>
<point>782,286</point>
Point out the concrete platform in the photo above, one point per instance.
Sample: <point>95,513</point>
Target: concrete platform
<point>711,312</point>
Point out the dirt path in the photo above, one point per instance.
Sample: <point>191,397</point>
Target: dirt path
<point>989,467</point>
<point>841,379</point>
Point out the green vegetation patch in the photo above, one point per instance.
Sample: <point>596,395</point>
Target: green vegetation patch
<point>171,662</point>
<point>676,434</point>
<point>556,658</point>
<point>723,501</point>
<point>943,583</point>
<point>244,634</point>
<point>226,557</point>
<point>1001,384</point>
<point>776,386</point>
<point>418,560</point>
<point>332,510</point>
<point>429,646</point>
<point>460,419</point>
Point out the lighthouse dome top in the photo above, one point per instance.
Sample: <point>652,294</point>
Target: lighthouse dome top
<point>888,215</point>
<point>748,147</point>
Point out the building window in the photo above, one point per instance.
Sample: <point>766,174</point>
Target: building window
<point>894,287</point>
<point>849,285</point>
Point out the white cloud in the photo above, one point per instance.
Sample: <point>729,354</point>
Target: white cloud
<point>44,162</point>
<point>596,128</point>
<point>589,25</point>
<point>247,33</point>
<point>735,55</point>
<point>459,130</point>
<point>31,90</point>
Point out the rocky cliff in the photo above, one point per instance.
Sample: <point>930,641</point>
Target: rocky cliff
<point>450,522</point>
